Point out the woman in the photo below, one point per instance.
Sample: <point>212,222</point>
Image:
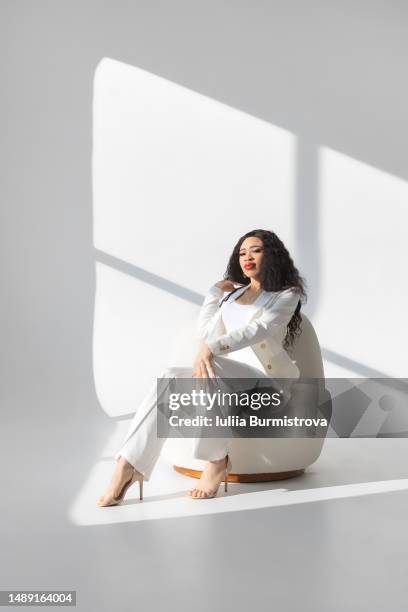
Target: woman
<point>254,325</point>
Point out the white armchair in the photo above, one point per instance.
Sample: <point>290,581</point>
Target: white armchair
<point>265,459</point>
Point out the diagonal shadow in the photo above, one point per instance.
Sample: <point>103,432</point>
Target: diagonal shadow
<point>150,278</point>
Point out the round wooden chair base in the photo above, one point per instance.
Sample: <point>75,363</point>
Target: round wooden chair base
<point>261,477</point>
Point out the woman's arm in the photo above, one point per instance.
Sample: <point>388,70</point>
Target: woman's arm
<point>276,313</point>
<point>202,367</point>
<point>203,362</point>
<point>208,309</point>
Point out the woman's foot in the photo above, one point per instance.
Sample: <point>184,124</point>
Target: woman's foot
<point>123,474</point>
<point>212,476</point>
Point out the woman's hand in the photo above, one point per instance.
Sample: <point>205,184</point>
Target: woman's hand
<point>228,285</point>
<point>203,367</point>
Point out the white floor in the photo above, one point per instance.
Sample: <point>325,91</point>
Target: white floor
<point>334,539</point>
<point>346,469</point>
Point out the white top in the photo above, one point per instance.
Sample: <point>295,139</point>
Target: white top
<point>236,315</point>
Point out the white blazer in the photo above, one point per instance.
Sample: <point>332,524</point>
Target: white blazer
<point>264,333</point>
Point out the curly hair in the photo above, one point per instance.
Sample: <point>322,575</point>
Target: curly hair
<point>278,273</point>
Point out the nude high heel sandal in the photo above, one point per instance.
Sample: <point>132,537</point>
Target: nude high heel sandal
<point>117,500</point>
<point>212,494</point>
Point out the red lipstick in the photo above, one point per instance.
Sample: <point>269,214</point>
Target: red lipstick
<point>248,266</point>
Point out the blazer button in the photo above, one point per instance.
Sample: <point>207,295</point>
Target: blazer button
<point>269,366</point>
<point>263,345</point>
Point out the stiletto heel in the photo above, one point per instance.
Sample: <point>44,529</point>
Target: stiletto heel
<point>117,500</point>
<point>227,471</point>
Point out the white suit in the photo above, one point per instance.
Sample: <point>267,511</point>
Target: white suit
<point>264,334</point>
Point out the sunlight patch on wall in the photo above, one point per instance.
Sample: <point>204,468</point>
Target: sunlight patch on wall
<point>363,220</point>
<point>178,176</point>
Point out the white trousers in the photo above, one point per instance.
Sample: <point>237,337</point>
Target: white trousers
<point>141,446</point>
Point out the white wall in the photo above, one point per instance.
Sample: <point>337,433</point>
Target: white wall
<point>330,75</point>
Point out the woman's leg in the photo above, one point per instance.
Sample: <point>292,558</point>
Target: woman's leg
<point>214,450</point>
<point>225,367</point>
<point>141,447</point>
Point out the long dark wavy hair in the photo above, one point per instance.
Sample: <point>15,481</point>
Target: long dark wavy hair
<point>278,273</point>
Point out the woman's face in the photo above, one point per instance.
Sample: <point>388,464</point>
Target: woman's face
<point>251,255</point>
